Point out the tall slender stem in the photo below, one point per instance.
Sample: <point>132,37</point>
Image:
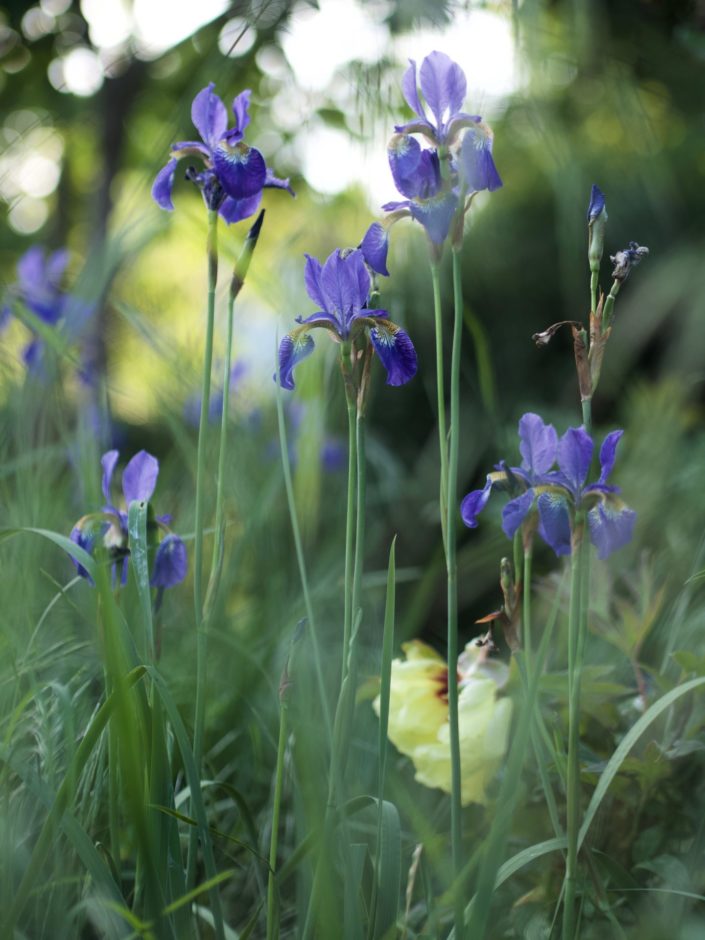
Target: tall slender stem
<point>526,611</point>
<point>201,637</point>
<point>361,483</point>
<point>440,395</point>
<point>272,903</point>
<point>575,655</point>
<point>452,568</point>
<point>349,531</point>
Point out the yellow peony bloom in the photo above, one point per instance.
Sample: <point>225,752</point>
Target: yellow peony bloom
<point>418,716</point>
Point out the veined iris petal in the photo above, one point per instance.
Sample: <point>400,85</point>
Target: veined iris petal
<point>554,522</point>
<point>209,115</point>
<point>292,349</point>
<point>170,562</point>
<point>611,526</point>
<point>374,247</point>
<point>395,350</point>
<point>139,478</point>
<point>241,169</point>
<point>477,165</point>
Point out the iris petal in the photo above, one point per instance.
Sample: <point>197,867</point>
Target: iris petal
<point>410,91</point>
<point>554,522</point>
<point>108,462</point>
<point>473,504</point>
<point>241,105</point>
<point>163,185</point>
<point>209,115</point>
<point>140,477</point>
<point>292,350</point>
<point>345,284</point>
<point>436,215</point>
<point>515,512</point>
<point>610,527</point>
<point>443,85</point>
<point>476,162</point>
<point>608,452</point>
<point>537,444</point>
<point>170,562</point>
<point>234,210</point>
<point>374,247</point>
<point>574,456</point>
<point>240,169</point>
<point>396,351</point>
<point>312,279</point>
<point>404,155</point>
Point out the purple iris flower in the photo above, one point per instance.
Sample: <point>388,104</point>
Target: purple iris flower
<point>234,173</point>
<point>341,290</point>
<point>38,288</point>
<point>556,494</point>
<point>109,527</point>
<point>459,162</point>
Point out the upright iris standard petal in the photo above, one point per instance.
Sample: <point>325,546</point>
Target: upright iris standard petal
<point>108,462</point>
<point>374,247</point>
<point>611,526</point>
<point>435,215</point>
<point>537,444</point>
<point>140,477</point>
<point>163,185</point>
<point>312,280</point>
<point>410,90</point>
<point>396,351</point>
<point>443,85</point>
<point>574,456</point>
<point>209,115</point>
<point>240,169</point>
<point>554,522</point>
<point>515,512</point>
<point>241,105</point>
<point>346,285</point>
<point>473,504</point>
<point>170,562</point>
<point>292,349</point>
<point>608,453</point>
<point>476,163</point>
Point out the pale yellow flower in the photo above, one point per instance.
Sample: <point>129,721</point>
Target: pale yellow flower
<point>418,717</point>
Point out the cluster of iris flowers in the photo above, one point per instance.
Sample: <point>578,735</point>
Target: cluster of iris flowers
<point>108,529</point>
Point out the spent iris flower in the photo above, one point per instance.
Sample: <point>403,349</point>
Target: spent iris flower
<point>435,180</point>
<point>556,494</point>
<point>418,716</point>
<point>341,289</point>
<point>234,173</point>
<point>109,527</point>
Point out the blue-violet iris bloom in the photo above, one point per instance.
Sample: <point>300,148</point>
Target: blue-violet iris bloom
<point>555,494</point>
<point>459,161</point>
<point>341,289</point>
<point>38,287</point>
<point>234,173</point>
<point>108,528</point>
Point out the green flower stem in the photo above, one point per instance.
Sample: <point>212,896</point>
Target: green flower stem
<point>578,606</point>
<point>349,530</point>
<point>586,405</point>
<point>201,634</point>
<point>452,568</point>
<point>526,608</point>
<point>440,392</point>
<point>361,483</point>
<point>236,283</point>
<point>272,901</point>
<point>594,284</point>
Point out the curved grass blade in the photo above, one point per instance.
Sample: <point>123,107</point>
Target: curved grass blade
<point>63,541</point>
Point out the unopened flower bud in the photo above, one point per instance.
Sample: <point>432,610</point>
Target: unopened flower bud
<point>597,219</point>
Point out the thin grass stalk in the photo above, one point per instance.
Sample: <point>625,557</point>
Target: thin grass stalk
<point>440,395</point>
<point>382,744</point>
<point>526,608</point>
<point>201,635</point>
<point>452,570</point>
<point>272,899</point>
<point>301,561</point>
<point>573,782</point>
